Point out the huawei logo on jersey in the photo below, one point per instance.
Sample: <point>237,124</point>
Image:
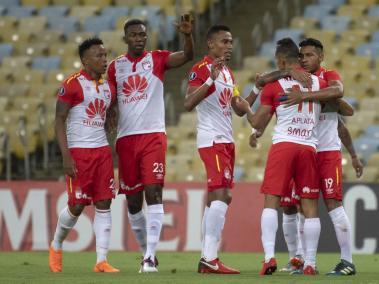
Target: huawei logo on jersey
<point>97,108</point>
<point>225,98</point>
<point>135,84</point>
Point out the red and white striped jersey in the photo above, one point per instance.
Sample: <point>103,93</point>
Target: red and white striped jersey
<point>89,100</point>
<point>139,84</point>
<point>296,123</point>
<point>214,112</point>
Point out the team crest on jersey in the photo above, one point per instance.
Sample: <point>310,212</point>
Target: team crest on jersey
<point>61,91</point>
<point>96,109</point>
<point>146,65</point>
<point>134,89</point>
<point>192,76</point>
<point>227,174</point>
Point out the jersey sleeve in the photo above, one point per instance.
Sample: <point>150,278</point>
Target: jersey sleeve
<point>111,74</point>
<point>198,75</point>
<point>269,96</point>
<point>113,93</point>
<point>70,92</point>
<point>332,76</point>
<point>323,84</point>
<point>160,58</point>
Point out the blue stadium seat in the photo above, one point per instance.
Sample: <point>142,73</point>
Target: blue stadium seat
<point>366,146</point>
<point>5,50</point>
<point>373,11</point>
<point>54,11</point>
<point>98,24</point>
<point>2,10</point>
<point>115,13</point>
<point>295,34</point>
<point>336,23</point>
<point>372,131</point>
<point>369,49</point>
<point>46,63</point>
<point>268,49</point>
<point>150,13</point>
<point>64,24</point>
<point>9,3</point>
<point>318,11</point>
<point>375,36</point>
<point>352,100</point>
<point>334,3</point>
<point>21,11</point>
<point>170,28</point>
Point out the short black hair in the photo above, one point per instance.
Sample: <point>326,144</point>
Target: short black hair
<point>133,22</point>
<point>86,44</point>
<point>288,48</point>
<point>312,42</point>
<point>215,29</point>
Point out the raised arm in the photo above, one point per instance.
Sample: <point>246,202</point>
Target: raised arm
<point>346,140</point>
<point>61,113</point>
<point>303,77</point>
<point>179,58</point>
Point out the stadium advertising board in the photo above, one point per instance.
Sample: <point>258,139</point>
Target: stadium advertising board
<point>28,216</point>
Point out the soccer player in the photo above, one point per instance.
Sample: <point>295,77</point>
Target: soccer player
<point>141,140</point>
<point>83,102</point>
<point>292,155</point>
<point>329,154</point>
<point>210,90</point>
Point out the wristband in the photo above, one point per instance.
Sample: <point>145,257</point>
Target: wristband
<point>256,90</point>
<point>209,82</point>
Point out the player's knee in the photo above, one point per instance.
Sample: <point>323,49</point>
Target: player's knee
<point>77,209</point>
<point>103,204</point>
<point>332,204</point>
<point>153,194</point>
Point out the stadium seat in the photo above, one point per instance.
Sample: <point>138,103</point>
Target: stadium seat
<point>46,63</point>
<point>5,76</point>
<point>112,37</point>
<point>37,22</point>
<point>368,23</point>
<point>35,3</point>
<point>372,131</point>
<point>21,11</point>
<point>83,12</point>
<point>97,24</point>
<point>355,37</point>
<point>355,130</point>
<point>318,11</point>
<point>18,36</point>
<point>11,90</point>
<point>150,13</point>
<point>35,49</point>
<point>16,62</point>
<point>43,91</point>
<point>336,23</point>
<point>295,34</point>
<point>64,50</point>
<point>28,76</point>
<point>2,10</point>
<point>366,146</point>
<point>268,49</point>
<point>5,50</point>
<point>368,49</point>
<point>54,11</point>
<point>78,37</point>
<point>49,37</point>
<point>69,3</point>
<point>363,2</point>
<point>57,76</point>
<point>356,61</point>
<point>373,11</point>
<point>64,24</point>
<point>9,3</point>
<point>303,23</point>
<point>375,37</point>
<point>327,37</point>
<point>100,4</point>
<point>7,23</point>
<point>257,64</point>
<point>4,101</point>
<point>353,11</point>
<point>115,13</point>
<point>130,3</point>
<point>334,3</point>
<point>373,160</point>
<point>72,63</point>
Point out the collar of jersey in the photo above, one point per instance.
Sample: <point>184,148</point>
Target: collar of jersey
<point>208,58</point>
<point>139,58</point>
<point>88,77</point>
<point>319,71</point>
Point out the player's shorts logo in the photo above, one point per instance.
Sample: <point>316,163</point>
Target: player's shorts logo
<point>135,84</point>
<point>225,98</point>
<point>97,108</point>
<point>306,189</point>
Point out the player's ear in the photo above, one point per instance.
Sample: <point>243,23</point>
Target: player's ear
<point>210,44</point>
<point>321,57</point>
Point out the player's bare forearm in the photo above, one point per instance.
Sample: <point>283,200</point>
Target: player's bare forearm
<point>271,77</point>
<point>345,137</point>
<point>61,114</point>
<point>251,98</point>
<point>194,96</point>
<point>324,95</point>
<point>180,58</point>
<point>344,108</point>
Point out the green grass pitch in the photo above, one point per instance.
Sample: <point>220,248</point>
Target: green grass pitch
<point>32,267</point>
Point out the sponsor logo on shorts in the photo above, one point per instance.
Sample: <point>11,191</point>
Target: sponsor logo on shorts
<point>310,190</point>
<point>329,190</point>
<point>159,176</point>
<point>225,100</point>
<point>134,89</point>
<point>80,195</point>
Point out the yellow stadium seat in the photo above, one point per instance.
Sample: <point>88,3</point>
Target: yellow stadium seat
<point>353,11</point>
<point>5,76</point>
<point>116,49</point>
<point>50,37</point>
<point>257,64</point>
<point>83,12</point>
<point>31,49</point>
<point>7,23</point>
<point>187,119</point>
<point>304,23</point>
<point>242,77</point>
<point>355,130</point>
<point>373,160</point>
<point>109,37</point>
<point>57,76</point>
<point>15,90</point>
<point>16,62</point>
<point>367,23</point>
<point>349,75</point>
<point>69,3</point>
<point>101,4</point>
<point>121,22</point>
<point>43,91</point>
<point>64,49</point>
<point>29,76</point>
<point>160,3</point>
<point>37,22</point>
<point>363,118</point>
<point>356,61</point>
<point>130,3</point>
<point>362,2</point>
<point>356,89</point>
<point>16,36</point>
<point>27,104</point>
<point>78,37</point>
<point>72,63</point>
<point>35,3</point>
<point>355,37</point>
<point>327,37</point>
<point>369,104</point>
<point>4,103</point>
<point>339,51</point>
